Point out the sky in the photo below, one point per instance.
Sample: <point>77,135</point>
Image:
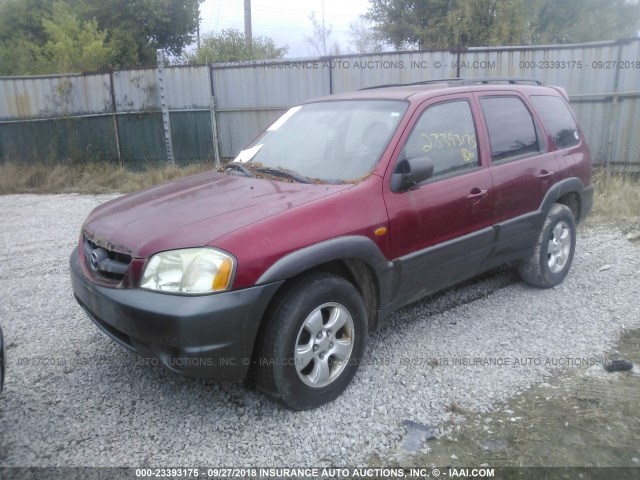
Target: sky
<point>285,21</point>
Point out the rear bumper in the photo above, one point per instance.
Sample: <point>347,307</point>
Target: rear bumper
<point>586,202</point>
<point>206,336</point>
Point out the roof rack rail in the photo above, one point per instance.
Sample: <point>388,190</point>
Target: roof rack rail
<point>463,81</point>
<point>509,80</point>
<point>423,82</point>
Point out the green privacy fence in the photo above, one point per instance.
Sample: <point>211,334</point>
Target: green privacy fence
<point>111,117</point>
<point>80,139</point>
<point>53,141</point>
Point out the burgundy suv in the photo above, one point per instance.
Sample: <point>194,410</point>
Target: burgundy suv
<point>345,209</point>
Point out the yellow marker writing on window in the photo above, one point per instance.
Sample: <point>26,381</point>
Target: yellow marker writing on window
<point>467,155</point>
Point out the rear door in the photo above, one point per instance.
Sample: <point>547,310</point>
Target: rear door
<point>522,171</point>
<point>563,131</point>
<point>440,231</point>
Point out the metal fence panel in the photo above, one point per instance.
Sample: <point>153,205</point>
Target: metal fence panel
<point>353,73</point>
<point>630,67</point>
<point>187,87</point>
<point>249,98</point>
<point>268,84</point>
<point>591,116</point>
<point>570,67</point>
<point>69,140</point>
<point>141,139</point>
<point>192,140</point>
<point>135,90</point>
<point>237,128</point>
<point>55,96</point>
<point>626,141</point>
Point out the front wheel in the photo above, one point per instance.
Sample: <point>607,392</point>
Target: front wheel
<point>312,342</point>
<point>553,252</point>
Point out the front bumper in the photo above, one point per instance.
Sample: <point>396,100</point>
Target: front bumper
<point>206,336</point>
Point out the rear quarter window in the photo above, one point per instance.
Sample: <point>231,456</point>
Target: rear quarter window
<point>557,119</point>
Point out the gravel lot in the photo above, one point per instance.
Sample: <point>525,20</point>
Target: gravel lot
<point>72,397</point>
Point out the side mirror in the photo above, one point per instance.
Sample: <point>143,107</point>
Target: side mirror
<point>410,172</point>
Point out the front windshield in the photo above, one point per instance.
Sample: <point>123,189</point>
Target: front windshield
<point>335,141</point>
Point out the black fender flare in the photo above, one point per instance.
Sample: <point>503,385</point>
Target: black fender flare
<point>561,188</point>
<point>340,248</point>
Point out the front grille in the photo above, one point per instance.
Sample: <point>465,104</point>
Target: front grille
<point>106,263</point>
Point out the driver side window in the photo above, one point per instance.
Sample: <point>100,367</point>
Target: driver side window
<point>446,134</point>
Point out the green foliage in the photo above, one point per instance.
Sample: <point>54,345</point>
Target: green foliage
<point>230,45</point>
<point>19,56</point>
<point>411,23</point>
<point>447,23</point>
<point>73,45</point>
<point>574,21</point>
<point>48,36</point>
<point>137,28</point>
<point>64,44</point>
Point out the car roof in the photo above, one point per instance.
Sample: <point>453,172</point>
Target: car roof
<point>422,91</point>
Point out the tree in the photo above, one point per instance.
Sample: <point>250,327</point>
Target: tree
<point>410,24</point>
<point>136,29</point>
<point>65,44</point>
<point>319,39</point>
<point>363,38</point>
<point>19,56</point>
<point>513,27</point>
<point>574,21</point>
<point>448,23</point>
<point>131,31</point>
<point>23,18</point>
<point>486,22</point>
<point>230,46</point>
<point>73,45</point>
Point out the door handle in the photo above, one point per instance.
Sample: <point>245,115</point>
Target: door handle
<point>544,175</point>
<point>477,194</point>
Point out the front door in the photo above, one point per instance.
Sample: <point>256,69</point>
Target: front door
<point>441,230</point>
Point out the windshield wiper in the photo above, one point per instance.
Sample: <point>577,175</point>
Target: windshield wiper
<point>239,168</point>
<point>281,172</point>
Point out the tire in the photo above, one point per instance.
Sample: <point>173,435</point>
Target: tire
<point>554,249</point>
<point>325,360</point>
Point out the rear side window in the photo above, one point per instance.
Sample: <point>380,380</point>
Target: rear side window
<point>558,120</point>
<point>445,133</point>
<point>511,129</point>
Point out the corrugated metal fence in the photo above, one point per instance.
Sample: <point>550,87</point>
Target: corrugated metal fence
<point>117,116</point>
<point>113,117</point>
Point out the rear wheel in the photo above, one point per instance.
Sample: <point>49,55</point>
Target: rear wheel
<point>311,344</point>
<point>554,250</point>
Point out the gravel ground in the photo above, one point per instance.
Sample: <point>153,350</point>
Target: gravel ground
<point>73,398</point>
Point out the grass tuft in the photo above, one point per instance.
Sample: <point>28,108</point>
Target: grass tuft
<point>88,178</point>
<point>617,197</point>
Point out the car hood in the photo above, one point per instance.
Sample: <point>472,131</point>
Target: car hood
<point>193,211</point>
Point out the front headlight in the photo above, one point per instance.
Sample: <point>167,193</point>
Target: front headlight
<point>190,270</point>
